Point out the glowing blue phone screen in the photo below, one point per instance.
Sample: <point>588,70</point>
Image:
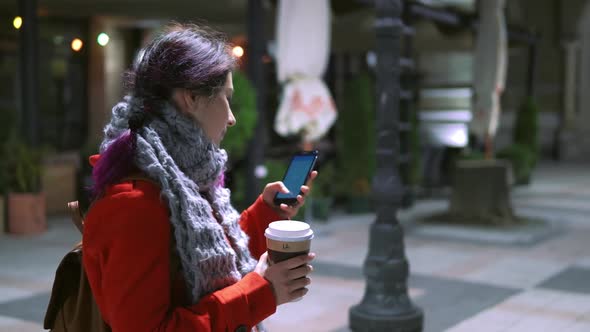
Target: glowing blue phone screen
<point>296,175</point>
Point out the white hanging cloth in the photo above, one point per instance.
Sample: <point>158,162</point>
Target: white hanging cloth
<point>303,46</point>
<point>490,64</point>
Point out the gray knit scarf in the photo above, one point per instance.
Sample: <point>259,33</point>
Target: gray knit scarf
<point>174,151</point>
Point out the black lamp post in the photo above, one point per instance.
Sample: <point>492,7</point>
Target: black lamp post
<point>386,305</point>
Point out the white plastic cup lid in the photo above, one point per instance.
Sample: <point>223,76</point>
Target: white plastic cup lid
<point>289,230</point>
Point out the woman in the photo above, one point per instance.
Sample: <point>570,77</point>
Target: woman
<point>171,253</point>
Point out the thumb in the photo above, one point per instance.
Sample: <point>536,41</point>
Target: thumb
<point>284,188</point>
<point>280,187</point>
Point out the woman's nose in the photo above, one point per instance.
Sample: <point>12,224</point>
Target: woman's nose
<point>232,119</point>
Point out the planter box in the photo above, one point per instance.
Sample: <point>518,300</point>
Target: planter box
<point>26,214</point>
<point>481,193</point>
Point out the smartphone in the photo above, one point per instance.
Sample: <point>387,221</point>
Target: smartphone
<point>297,174</point>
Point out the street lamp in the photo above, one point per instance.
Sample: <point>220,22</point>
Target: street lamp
<point>17,22</point>
<point>103,39</point>
<point>77,44</point>
<point>238,51</point>
<point>386,305</point>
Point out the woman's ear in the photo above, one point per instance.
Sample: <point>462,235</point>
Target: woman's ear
<point>192,100</point>
<point>185,100</point>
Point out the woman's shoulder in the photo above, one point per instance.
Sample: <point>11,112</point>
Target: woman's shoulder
<point>129,204</point>
<point>133,192</point>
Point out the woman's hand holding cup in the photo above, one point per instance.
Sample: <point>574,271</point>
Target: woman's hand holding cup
<point>288,278</point>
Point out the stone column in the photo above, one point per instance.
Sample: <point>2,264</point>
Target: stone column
<point>575,134</point>
<point>572,49</point>
<point>97,109</point>
<point>106,67</point>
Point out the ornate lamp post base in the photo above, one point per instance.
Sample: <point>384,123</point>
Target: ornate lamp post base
<point>360,320</point>
<point>386,305</point>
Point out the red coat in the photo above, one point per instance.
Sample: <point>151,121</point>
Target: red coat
<point>127,255</point>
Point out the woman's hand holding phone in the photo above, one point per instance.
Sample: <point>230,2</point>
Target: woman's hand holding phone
<point>287,211</point>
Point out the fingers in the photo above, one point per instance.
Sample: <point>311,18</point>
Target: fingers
<point>298,293</point>
<point>305,190</point>
<point>298,284</point>
<point>289,278</point>
<point>312,177</point>
<point>290,211</point>
<point>298,261</point>
<point>278,186</point>
<point>300,272</point>
<point>300,200</point>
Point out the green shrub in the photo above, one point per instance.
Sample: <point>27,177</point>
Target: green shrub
<point>526,127</point>
<point>355,130</point>
<point>275,171</point>
<point>23,167</point>
<point>323,185</point>
<point>523,154</point>
<point>522,159</point>
<point>471,155</point>
<point>7,117</point>
<point>244,107</point>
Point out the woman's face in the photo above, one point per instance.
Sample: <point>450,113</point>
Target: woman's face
<point>214,114</point>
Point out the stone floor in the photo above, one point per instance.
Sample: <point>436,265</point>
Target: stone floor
<point>464,279</point>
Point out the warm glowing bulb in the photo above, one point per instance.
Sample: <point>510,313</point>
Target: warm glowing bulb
<point>103,39</point>
<point>77,44</point>
<point>238,51</point>
<point>17,22</point>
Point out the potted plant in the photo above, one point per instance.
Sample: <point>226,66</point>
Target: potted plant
<point>26,201</point>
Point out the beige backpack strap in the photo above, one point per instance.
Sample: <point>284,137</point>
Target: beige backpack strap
<point>76,215</point>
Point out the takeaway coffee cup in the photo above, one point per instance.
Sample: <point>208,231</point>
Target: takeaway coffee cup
<point>287,239</point>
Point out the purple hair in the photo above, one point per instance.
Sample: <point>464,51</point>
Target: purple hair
<point>115,163</point>
<point>183,56</point>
